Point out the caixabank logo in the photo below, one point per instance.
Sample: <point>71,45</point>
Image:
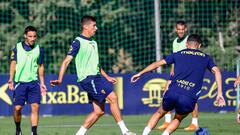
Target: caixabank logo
<point>3,94</point>
<point>69,95</point>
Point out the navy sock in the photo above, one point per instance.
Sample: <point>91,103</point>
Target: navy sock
<point>18,128</point>
<point>34,130</point>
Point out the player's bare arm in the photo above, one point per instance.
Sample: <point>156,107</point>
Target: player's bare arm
<point>149,68</point>
<point>11,74</point>
<point>63,68</point>
<point>110,79</point>
<point>216,71</point>
<point>41,78</point>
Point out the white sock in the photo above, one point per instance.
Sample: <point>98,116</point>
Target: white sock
<point>195,121</point>
<point>168,118</point>
<point>81,131</point>
<point>122,126</point>
<point>146,130</point>
<point>165,133</point>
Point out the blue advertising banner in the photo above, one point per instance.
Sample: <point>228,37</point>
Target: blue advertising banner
<point>142,97</point>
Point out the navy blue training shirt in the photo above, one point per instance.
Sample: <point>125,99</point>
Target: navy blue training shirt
<point>74,48</point>
<point>189,69</point>
<point>27,48</point>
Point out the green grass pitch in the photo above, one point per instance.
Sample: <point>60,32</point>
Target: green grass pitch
<point>218,124</point>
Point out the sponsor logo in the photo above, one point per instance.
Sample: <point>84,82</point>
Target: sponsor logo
<point>3,94</point>
<point>72,96</point>
<point>103,92</point>
<point>155,88</point>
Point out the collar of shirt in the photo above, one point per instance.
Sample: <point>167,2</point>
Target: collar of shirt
<point>81,36</point>
<point>181,39</point>
<point>27,47</point>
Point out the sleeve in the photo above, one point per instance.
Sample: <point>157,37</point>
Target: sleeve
<point>74,48</point>
<point>210,64</point>
<point>13,56</point>
<point>41,57</point>
<point>169,59</point>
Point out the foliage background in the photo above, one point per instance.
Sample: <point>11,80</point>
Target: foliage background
<point>126,31</point>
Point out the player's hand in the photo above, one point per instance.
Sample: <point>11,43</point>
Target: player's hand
<point>43,89</point>
<point>220,101</point>
<point>112,80</point>
<point>236,83</point>
<point>55,82</point>
<point>135,78</point>
<point>10,85</point>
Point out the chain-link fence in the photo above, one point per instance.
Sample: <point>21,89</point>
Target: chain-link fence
<point>126,29</point>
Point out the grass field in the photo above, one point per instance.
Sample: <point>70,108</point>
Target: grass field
<point>218,124</point>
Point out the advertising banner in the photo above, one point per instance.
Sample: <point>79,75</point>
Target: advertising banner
<point>142,97</point>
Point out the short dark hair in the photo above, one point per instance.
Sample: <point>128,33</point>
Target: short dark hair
<point>29,28</point>
<point>181,22</point>
<point>194,38</point>
<point>86,19</point>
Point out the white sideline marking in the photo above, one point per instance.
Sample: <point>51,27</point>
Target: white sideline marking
<point>96,125</point>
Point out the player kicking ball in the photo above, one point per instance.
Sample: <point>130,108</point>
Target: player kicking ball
<point>92,77</point>
<point>186,84</point>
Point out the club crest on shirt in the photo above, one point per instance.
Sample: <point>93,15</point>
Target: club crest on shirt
<point>103,91</point>
<point>70,49</point>
<point>12,55</point>
<point>92,44</point>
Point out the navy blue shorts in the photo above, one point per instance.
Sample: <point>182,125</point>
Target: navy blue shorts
<point>181,103</point>
<point>97,87</point>
<point>27,92</point>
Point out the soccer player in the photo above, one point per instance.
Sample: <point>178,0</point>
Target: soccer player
<point>179,44</point>
<point>25,68</point>
<point>92,77</point>
<point>186,84</point>
<point>238,114</point>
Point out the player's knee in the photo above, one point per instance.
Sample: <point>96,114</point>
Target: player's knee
<point>99,112</point>
<point>179,117</point>
<point>35,107</point>
<point>18,108</point>
<point>112,98</point>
